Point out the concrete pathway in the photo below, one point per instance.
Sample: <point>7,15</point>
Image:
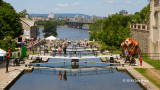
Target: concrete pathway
<point>7,79</point>
<point>138,77</point>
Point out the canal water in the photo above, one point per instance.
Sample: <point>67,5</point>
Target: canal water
<point>69,33</point>
<point>68,76</point>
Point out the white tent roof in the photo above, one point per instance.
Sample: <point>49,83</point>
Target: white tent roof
<point>51,38</point>
<point>2,52</point>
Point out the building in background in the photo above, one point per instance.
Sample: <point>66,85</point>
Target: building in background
<point>51,16</point>
<point>30,29</point>
<point>123,12</point>
<point>39,18</point>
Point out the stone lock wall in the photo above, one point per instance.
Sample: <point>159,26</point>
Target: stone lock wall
<point>140,33</point>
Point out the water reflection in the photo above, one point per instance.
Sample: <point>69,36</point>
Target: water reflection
<point>65,76</point>
<point>60,75</point>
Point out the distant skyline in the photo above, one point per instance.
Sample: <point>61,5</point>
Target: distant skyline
<point>90,7</point>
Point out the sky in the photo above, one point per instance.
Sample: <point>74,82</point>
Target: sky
<point>90,7</point>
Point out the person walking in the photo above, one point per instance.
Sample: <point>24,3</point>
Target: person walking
<point>64,49</point>
<point>60,50</point>
<point>140,59</point>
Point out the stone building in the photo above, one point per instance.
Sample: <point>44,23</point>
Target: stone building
<point>30,29</point>
<point>148,36</point>
<point>51,16</point>
<point>154,37</point>
<point>140,33</point>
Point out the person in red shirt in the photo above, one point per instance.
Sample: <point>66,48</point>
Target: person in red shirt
<point>8,57</point>
<point>140,59</point>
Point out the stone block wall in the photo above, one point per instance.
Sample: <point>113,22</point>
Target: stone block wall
<point>141,35</point>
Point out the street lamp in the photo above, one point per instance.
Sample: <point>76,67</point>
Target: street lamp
<point>7,62</point>
<point>32,48</point>
<point>44,49</point>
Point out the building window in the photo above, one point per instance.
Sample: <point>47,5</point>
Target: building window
<point>26,32</point>
<point>156,18</point>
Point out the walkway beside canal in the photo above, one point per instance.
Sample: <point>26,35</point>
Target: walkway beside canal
<point>139,78</point>
<point>7,79</point>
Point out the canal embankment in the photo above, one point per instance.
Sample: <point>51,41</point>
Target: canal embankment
<point>8,79</point>
<point>138,77</point>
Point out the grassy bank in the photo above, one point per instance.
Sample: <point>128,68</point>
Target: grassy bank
<point>148,72</point>
<point>143,71</point>
<point>106,47</point>
<point>154,63</point>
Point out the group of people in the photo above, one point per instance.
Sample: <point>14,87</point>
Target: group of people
<point>64,48</point>
<point>128,56</point>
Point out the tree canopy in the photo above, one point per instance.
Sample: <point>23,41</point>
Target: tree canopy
<point>23,13</point>
<point>50,28</point>
<point>10,21</point>
<point>142,16</point>
<point>10,25</point>
<point>114,29</point>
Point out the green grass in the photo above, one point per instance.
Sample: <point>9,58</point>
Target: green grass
<point>104,46</point>
<point>143,71</point>
<point>154,63</point>
<point>31,53</point>
<point>117,51</point>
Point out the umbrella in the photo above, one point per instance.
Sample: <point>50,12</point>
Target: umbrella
<point>2,52</point>
<point>51,38</point>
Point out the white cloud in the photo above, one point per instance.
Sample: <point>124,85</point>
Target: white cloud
<point>128,2</point>
<point>112,1</point>
<point>62,5</point>
<point>56,9</point>
<point>76,4</point>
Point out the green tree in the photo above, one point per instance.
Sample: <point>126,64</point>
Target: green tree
<point>50,28</point>
<point>142,16</point>
<point>10,23</point>
<point>10,45</point>
<point>23,13</point>
<point>112,30</point>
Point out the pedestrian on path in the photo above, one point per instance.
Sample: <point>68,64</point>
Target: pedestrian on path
<point>64,49</point>
<point>60,50</point>
<point>140,59</point>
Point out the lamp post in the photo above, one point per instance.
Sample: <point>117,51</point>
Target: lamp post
<point>32,48</point>
<point>44,49</point>
<point>7,62</point>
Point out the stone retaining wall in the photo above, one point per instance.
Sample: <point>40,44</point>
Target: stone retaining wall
<point>142,36</point>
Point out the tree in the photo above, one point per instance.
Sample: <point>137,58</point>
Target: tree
<point>112,30</point>
<point>23,13</point>
<point>10,45</point>
<point>50,29</point>
<point>142,16</point>
<point>10,23</point>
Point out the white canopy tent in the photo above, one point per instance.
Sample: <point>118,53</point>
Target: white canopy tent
<point>51,38</point>
<point>2,52</point>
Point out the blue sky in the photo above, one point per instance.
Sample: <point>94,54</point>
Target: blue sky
<point>89,7</point>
